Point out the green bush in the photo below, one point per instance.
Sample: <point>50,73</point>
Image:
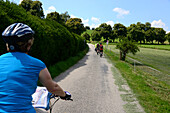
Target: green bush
<point>53,42</point>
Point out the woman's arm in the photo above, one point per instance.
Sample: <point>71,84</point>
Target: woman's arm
<point>52,86</point>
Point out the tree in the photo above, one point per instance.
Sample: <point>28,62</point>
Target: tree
<point>150,35</point>
<point>112,36</point>
<point>65,16</point>
<point>87,28</point>
<point>96,36</point>
<point>147,26</point>
<point>127,46</point>
<point>86,36</point>
<point>75,25</point>
<point>132,32</point>
<point>55,16</point>
<point>105,31</point>
<point>160,35</point>
<point>136,32</point>
<point>26,4</point>
<point>141,31</point>
<point>120,31</point>
<point>168,37</point>
<point>34,7</point>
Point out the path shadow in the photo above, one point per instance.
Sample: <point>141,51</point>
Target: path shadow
<point>77,65</point>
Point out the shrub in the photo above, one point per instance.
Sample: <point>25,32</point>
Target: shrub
<point>53,42</point>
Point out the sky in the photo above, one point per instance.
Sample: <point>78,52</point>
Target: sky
<point>95,12</point>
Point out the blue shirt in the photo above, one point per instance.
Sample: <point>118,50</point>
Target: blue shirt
<point>19,74</point>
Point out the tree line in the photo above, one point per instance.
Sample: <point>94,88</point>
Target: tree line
<point>138,32</point>
<point>72,24</point>
<point>128,36</point>
<point>53,41</point>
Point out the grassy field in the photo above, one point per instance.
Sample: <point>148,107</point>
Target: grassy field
<point>163,47</point>
<point>152,93</point>
<point>155,58</point>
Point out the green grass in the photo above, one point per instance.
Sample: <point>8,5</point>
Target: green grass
<point>163,47</point>
<point>155,58</point>
<point>153,94</point>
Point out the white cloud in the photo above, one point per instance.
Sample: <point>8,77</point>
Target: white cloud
<point>167,32</point>
<point>72,16</point>
<point>110,23</point>
<point>49,10</point>
<point>96,20</point>
<point>52,8</point>
<point>20,1</point>
<point>159,24</point>
<point>94,25</point>
<point>85,22</point>
<point>121,12</point>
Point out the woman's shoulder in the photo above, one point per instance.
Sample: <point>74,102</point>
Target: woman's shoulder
<point>35,60</point>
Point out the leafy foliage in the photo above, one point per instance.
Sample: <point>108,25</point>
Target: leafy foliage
<point>120,31</point>
<point>168,37</point>
<point>160,35</point>
<point>96,36</point>
<point>139,32</point>
<point>105,31</point>
<point>127,46</point>
<point>75,25</point>
<point>53,42</point>
<point>56,17</point>
<point>86,36</point>
<point>34,7</point>
<point>65,16</point>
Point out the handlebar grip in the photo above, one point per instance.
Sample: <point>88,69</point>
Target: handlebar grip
<point>67,97</point>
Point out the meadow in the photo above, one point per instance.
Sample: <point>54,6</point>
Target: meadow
<point>157,59</point>
<point>163,47</point>
<point>150,86</point>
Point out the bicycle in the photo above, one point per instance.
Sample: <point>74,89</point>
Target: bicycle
<point>101,54</point>
<point>42,99</point>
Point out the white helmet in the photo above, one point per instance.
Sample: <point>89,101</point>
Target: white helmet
<point>17,32</point>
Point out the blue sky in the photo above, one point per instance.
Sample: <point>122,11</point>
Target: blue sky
<point>95,12</point>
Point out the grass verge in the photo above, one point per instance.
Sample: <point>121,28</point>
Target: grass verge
<point>152,94</point>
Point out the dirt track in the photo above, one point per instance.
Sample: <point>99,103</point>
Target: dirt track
<point>91,84</point>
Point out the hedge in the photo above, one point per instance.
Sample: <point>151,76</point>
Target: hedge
<point>53,42</point>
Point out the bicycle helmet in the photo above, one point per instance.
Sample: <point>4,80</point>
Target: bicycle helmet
<point>17,32</point>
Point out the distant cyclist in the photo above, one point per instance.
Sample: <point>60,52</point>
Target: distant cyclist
<point>19,72</point>
<point>98,48</point>
<point>101,49</point>
<point>95,47</point>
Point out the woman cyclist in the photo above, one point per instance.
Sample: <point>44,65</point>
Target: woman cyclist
<point>19,72</point>
<point>101,49</point>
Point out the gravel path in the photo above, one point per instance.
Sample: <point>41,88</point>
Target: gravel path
<point>91,84</point>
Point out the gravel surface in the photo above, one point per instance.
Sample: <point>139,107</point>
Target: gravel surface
<point>91,84</point>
